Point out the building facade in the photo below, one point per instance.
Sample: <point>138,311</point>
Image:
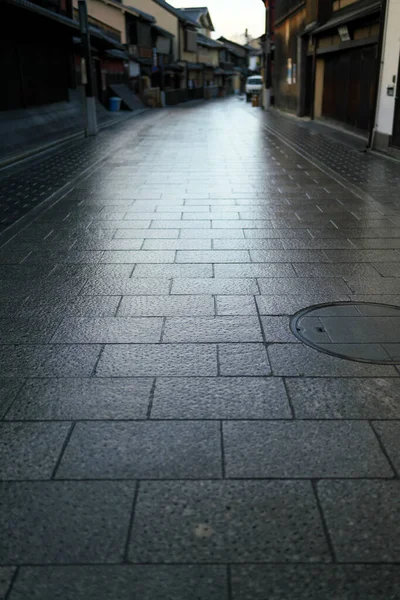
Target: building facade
<point>387,125</point>
<point>290,22</point>
<point>326,59</point>
<point>234,60</point>
<point>346,53</point>
<point>30,60</point>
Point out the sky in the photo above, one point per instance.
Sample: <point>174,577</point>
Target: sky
<point>231,17</point>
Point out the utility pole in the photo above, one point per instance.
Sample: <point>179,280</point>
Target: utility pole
<point>90,101</point>
<point>268,61</point>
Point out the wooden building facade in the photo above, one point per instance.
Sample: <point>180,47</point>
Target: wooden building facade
<point>325,59</point>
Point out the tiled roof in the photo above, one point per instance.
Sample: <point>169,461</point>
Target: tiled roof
<point>203,40</point>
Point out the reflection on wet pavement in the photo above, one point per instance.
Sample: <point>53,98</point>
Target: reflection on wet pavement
<point>163,433</point>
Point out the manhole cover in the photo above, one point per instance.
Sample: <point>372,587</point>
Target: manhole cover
<point>361,331</point>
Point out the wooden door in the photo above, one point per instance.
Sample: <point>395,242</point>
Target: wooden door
<point>348,86</point>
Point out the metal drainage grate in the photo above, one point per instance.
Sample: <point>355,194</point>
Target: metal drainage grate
<point>361,331</point>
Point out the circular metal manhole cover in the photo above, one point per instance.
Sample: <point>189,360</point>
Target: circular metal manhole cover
<point>361,331</point>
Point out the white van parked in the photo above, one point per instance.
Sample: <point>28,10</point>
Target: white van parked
<point>254,85</point>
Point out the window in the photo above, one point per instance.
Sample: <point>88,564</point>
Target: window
<point>144,35</point>
<point>190,41</point>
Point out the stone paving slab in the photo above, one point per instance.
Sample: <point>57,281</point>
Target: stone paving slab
<point>173,450</point>
<point>274,304</point>
<point>217,520</point>
<point>102,583</point>
<point>51,360</point>
<point>295,360</point>
<point>344,398</point>
<point>388,434</point>
<point>304,582</point>
<point>108,330</point>
<point>123,360</point>
<point>220,398</point>
<point>44,441</point>
<point>214,329</point>
<point>303,450</point>
<point>9,388</point>
<point>213,286</point>
<point>167,306</point>
<point>235,305</point>
<point>243,360</point>
<point>84,398</point>
<point>64,522</point>
<point>356,537</point>
<point>6,576</point>
<point>305,285</point>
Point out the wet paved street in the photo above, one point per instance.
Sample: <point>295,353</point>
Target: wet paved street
<point>164,435</point>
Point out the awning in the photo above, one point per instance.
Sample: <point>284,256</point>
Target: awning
<point>310,28</point>
<point>162,31</point>
<point>350,16</point>
<point>194,66</point>
<point>97,36</point>
<point>45,12</point>
<point>241,70</point>
<point>173,67</point>
<point>114,53</point>
<point>144,61</point>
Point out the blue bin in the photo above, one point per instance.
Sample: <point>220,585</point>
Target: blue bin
<point>114,104</point>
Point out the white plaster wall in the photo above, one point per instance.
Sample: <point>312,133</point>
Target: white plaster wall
<point>391,53</point>
<point>253,63</point>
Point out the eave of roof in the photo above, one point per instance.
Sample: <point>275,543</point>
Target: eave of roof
<point>140,13</point>
<point>203,40</point>
<point>162,31</point>
<point>229,42</point>
<point>349,16</point>
<point>45,12</point>
<point>176,12</point>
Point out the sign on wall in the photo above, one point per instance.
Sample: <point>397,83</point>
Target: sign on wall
<point>134,69</point>
<point>344,34</point>
<point>289,77</point>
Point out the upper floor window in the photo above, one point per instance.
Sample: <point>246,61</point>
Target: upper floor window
<point>190,40</point>
<point>338,4</point>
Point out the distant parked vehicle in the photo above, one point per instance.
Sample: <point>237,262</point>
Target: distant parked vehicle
<point>254,85</point>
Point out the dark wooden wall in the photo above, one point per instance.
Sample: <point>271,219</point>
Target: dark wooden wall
<point>34,59</point>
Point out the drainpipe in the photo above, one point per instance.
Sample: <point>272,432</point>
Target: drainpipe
<point>313,79</point>
<point>374,109</point>
<point>179,40</point>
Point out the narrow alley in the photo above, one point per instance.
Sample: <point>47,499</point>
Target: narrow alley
<point>164,434</point>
